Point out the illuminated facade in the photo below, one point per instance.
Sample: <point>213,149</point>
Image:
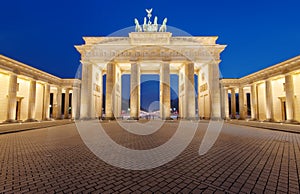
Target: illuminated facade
<point>272,94</point>
<point>150,53</point>
<point>28,94</point>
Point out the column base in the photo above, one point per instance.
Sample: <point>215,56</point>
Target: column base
<point>292,122</point>
<point>254,119</point>
<point>85,118</point>
<point>133,118</point>
<point>109,118</point>
<point>269,120</point>
<point>47,119</point>
<point>31,120</point>
<point>11,121</point>
<point>167,119</point>
<point>205,118</point>
<point>216,119</point>
<point>191,118</point>
<point>232,117</point>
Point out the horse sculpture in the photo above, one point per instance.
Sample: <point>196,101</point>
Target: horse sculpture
<point>163,27</point>
<point>138,28</point>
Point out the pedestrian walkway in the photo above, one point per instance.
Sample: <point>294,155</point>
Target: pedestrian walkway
<point>294,128</point>
<point>16,127</point>
<point>242,160</point>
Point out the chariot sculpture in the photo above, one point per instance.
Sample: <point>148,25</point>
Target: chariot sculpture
<point>148,26</point>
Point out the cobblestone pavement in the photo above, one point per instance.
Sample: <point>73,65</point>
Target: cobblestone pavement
<point>243,160</point>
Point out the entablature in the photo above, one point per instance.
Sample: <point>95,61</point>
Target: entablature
<point>27,72</point>
<point>274,72</point>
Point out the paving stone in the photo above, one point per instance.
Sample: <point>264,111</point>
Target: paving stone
<point>242,160</point>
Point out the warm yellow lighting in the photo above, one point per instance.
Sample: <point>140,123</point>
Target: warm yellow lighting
<point>2,75</point>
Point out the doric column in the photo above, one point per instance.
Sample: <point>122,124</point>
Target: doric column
<point>134,90</point>
<point>180,94</point>
<point>269,101</point>
<point>54,104</point>
<point>241,103</point>
<point>110,83</point>
<point>290,104</point>
<point>100,82</point>
<point>165,103</point>
<point>233,104</point>
<point>31,103</point>
<point>199,91</point>
<point>214,87</point>
<point>12,98</point>
<point>117,98</point>
<point>189,91</point>
<point>46,107</point>
<point>225,108</point>
<point>75,100</point>
<point>253,97</point>
<point>66,109</point>
<point>58,102</point>
<point>87,103</point>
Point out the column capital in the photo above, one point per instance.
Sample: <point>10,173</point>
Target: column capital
<point>214,62</point>
<point>58,87</point>
<point>232,89</point>
<point>165,63</point>
<point>268,79</point>
<point>15,72</point>
<point>111,62</point>
<point>33,78</point>
<point>289,74</point>
<point>165,60</point>
<point>85,62</point>
<point>134,61</point>
<point>188,63</point>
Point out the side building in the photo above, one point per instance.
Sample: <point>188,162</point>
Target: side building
<point>29,94</point>
<point>271,94</point>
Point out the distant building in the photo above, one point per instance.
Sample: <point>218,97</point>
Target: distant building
<point>28,94</point>
<point>274,94</point>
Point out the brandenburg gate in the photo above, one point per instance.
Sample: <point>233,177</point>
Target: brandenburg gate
<point>150,50</point>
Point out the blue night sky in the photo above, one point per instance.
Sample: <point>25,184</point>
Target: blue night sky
<point>43,33</point>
